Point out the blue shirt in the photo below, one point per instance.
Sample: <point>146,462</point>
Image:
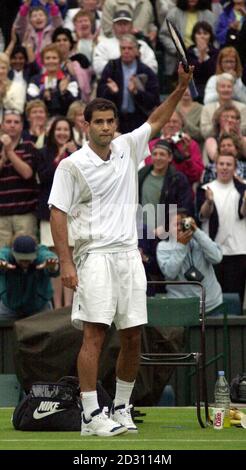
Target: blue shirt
<point>128,105</point>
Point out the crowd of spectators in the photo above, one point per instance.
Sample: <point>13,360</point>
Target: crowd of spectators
<point>57,55</point>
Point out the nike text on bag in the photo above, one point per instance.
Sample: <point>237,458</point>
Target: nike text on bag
<point>53,406</point>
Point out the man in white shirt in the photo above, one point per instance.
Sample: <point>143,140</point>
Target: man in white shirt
<point>109,48</point>
<point>222,204</point>
<point>96,190</point>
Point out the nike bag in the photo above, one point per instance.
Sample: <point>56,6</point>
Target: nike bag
<point>54,406</point>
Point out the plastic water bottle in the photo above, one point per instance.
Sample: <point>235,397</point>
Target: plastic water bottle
<point>222,396</point>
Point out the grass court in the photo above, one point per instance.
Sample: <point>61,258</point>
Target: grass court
<point>162,428</point>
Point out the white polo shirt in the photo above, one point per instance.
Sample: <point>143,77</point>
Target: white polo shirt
<point>100,197</point>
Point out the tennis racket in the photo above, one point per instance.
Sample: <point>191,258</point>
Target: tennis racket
<point>182,54</point>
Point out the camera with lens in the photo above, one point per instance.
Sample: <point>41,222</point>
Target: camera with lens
<point>186,223</point>
<point>193,274</point>
<point>177,137</point>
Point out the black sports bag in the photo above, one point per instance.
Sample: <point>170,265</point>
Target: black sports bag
<point>54,406</point>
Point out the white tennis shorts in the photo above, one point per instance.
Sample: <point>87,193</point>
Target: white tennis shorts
<point>112,288</point>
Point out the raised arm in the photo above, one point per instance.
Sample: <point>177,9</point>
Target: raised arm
<point>19,165</point>
<point>164,111</point>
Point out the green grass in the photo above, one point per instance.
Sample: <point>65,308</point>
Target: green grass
<point>162,428</point>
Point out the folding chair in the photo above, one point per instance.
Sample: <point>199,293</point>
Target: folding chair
<point>184,312</point>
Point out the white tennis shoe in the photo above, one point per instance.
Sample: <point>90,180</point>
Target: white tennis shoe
<point>121,414</point>
<point>100,424</point>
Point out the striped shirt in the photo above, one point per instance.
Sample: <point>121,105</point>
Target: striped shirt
<point>19,195</point>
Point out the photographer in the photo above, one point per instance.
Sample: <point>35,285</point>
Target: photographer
<point>25,271</point>
<point>189,255</point>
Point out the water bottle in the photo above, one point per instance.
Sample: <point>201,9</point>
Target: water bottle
<point>222,396</point>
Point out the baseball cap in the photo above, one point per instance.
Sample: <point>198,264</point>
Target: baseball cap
<point>164,144</point>
<point>24,248</point>
<point>122,15</point>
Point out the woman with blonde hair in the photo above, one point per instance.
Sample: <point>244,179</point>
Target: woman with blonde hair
<point>12,94</point>
<point>226,120</point>
<point>37,117</point>
<point>224,88</point>
<point>76,115</point>
<point>56,88</point>
<point>228,61</point>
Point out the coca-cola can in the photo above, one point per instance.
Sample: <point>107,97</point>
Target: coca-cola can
<point>219,414</point>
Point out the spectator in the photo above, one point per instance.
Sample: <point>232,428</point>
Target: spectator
<point>142,14</point>
<point>12,94</point>
<point>224,88</point>
<point>226,119</point>
<point>130,84</point>
<point>37,115</point>
<point>22,60</point>
<point>185,15</point>
<point>87,5</point>
<point>73,63</point>
<point>32,26</point>
<point>191,114</point>
<point>228,61</point>
<point>230,22</point>
<point>109,48</point>
<point>228,144</point>
<point>25,271</point>
<point>202,54</point>
<point>47,5</point>
<point>57,89</point>
<point>187,156</point>
<point>19,192</point>
<point>59,145</point>
<point>85,39</point>
<point>76,115</point>
<point>161,184</point>
<point>188,255</point>
<point>222,209</point>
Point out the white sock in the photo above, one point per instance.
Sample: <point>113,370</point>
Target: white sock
<point>123,392</point>
<point>89,402</point>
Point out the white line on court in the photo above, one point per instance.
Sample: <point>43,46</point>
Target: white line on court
<point>82,440</point>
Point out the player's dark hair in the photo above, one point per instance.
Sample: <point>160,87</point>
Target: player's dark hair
<point>99,104</point>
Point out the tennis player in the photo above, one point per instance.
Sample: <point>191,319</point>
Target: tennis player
<point>95,189</point>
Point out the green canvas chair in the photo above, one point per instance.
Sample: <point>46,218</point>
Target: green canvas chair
<point>180,312</point>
